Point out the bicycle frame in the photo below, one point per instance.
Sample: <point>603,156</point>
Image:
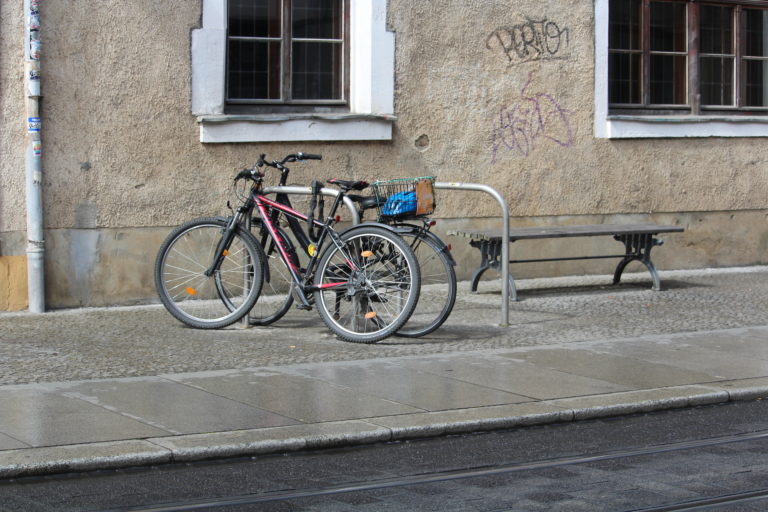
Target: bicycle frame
<point>302,286</point>
<point>293,222</point>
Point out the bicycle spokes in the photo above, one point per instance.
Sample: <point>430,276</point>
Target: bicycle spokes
<point>202,284</point>
<point>367,284</point>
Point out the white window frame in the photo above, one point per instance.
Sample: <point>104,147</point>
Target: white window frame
<point>371,87</point>
<point>646,126</point>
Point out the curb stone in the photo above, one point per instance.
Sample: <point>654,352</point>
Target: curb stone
<point>198,447</point>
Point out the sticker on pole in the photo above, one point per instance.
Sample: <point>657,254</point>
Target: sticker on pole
<point>34,124</point>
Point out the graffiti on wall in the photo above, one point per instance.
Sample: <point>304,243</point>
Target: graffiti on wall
<point>532,40</point>
<point>535,118</point>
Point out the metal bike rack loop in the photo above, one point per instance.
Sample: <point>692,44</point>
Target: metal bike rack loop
<point>307,191</point>
<point>477,187</point>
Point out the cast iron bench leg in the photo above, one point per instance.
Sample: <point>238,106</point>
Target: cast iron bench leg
<point>638,248</point>
<point>485,262</point>
<point>490,257</point>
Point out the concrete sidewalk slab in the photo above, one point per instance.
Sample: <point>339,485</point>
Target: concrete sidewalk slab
<point>562,366</point>
<point>304,399</point>
<point>494,372</point>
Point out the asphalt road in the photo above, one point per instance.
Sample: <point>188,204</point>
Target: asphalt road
<point>706,458</point>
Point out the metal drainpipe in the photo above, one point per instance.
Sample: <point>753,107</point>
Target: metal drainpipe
<point>34,167</point>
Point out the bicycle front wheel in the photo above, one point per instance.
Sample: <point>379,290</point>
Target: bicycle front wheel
<point>218,300</point>
<point>368,287</point>
<point>438,284</point>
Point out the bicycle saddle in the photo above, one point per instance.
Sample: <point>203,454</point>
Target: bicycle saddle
<point>367,202</point>
<point>348,184</point>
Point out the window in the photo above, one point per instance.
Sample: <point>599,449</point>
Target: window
<point>681,68</point>
<point>673,56</point>
<point>286,52</point>
<point>298,70</point>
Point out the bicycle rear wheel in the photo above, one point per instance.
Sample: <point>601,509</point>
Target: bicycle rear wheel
<point>369,287</point>
<point>275,299</point>
<point>438,284</point>
<point>208,302</point>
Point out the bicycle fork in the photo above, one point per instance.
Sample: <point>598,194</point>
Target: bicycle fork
<point>222,248</point>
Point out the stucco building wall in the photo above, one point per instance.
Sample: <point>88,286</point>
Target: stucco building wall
<point>13,277</point>
<point>123,161</point>
<point>12,120</point>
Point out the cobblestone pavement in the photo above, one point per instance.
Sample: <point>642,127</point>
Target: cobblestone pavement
<point>145,340</point>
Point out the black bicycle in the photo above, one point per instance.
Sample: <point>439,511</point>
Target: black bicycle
<point>405,204</point>
<point>405,213</point>
<point>365,281</point>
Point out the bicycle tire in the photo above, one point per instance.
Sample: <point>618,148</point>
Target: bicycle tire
<point>438,284</point>
<point>276,298</point>
<point>379,297</point>
<point>208,302</point>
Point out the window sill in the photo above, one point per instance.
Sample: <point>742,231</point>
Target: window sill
<point>636,127</point>
<point>295,127</point>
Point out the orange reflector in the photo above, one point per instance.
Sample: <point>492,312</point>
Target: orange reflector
<point>225,252</point>
<point>191,291</point>
<point>366,254</point>
<point>370,314</point>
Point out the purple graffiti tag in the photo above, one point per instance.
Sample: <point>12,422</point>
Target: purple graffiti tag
<point>536,116</point>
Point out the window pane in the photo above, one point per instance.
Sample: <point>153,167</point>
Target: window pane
<point>255,18</point>
<point>254,70</point>
<point>317,19</point>
<point>716,81</point>
<point>716,29</point>
<point>668,27</point>
<point>755,32</point>
<point>668,83</point>
<point>624,78</point>
<point>755,85</point>
<point>624,25</point>
<point>317,71</point>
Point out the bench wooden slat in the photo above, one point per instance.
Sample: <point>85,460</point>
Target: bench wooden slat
<point>568,231</point>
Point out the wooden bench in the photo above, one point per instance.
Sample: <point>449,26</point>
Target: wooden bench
<point>638,240</point>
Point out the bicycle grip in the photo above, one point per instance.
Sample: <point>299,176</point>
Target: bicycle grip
<point>309,156</point>
<point>245,173</point>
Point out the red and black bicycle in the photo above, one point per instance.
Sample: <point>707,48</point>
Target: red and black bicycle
<point>364,281</point>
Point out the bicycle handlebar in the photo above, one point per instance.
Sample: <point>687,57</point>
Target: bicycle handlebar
<point>261,162</point>
<point>246,173</point>
<point>295,157</point>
